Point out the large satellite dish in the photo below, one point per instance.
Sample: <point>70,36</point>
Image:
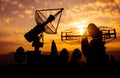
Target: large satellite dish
<point>47,21</point>
<point>42,15</point>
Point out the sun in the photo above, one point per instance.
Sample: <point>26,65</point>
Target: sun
<point>81,30</point>
<point>81,27</point>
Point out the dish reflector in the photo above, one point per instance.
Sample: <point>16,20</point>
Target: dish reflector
<point>42,15</point>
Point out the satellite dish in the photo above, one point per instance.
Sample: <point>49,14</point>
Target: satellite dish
<point>42,15</point>
<point>47,21</point>
<point>69,36</point>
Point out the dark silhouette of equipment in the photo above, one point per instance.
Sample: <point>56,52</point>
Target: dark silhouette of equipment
<point>72,36</point>
<point>44,24</point>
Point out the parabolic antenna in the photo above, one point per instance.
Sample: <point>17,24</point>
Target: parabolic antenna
<point>42,15</point>
<point>47,21</point>
<point>72,35</point>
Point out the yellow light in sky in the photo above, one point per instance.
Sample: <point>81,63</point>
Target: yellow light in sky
<point>80,27</point>
<point>81,30</point>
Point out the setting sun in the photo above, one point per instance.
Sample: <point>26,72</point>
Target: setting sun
<point>80,26</point>
<point>81,30</point>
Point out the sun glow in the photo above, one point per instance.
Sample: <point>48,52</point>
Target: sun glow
<point>81,30</point>
<point>81,26</point>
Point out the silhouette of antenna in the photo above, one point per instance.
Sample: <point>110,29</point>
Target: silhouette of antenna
<point>42,15</point>
<point>44,19</point>
<point>72,35</point>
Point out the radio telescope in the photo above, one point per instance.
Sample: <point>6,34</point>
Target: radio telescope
<point>47,21</point>
<point>73,36</point>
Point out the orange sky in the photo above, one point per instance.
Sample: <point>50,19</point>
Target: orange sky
<point>17,18</point>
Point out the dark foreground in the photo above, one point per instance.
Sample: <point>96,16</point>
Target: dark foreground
<point>54,66</point>
<point>55,71</point>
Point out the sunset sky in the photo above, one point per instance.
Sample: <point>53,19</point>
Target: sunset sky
<point>17,18</point>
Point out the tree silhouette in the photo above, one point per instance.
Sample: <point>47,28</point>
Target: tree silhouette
<point>76,57</point>
<point>19,56</point>
<point>54,54</point>
<point>64,56</point>
<point>53,48</point>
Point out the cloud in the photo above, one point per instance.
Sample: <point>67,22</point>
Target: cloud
<point>7,20</point>
<point>21,16</point>
<point>17,3</point>
<point>29,12</point>
<point>5,1</point>
<point>32,7</point>
<point>12,33</point>
<point>105,1</point>
<point>14,2</point>
<point>37,1</point>
<point>8,46</point>
<point>2,8</point>
<point>117,1</point>
<point>0,23</point>
<point>20,5</point>
<point>14,12</point>
<point>4,35</point>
